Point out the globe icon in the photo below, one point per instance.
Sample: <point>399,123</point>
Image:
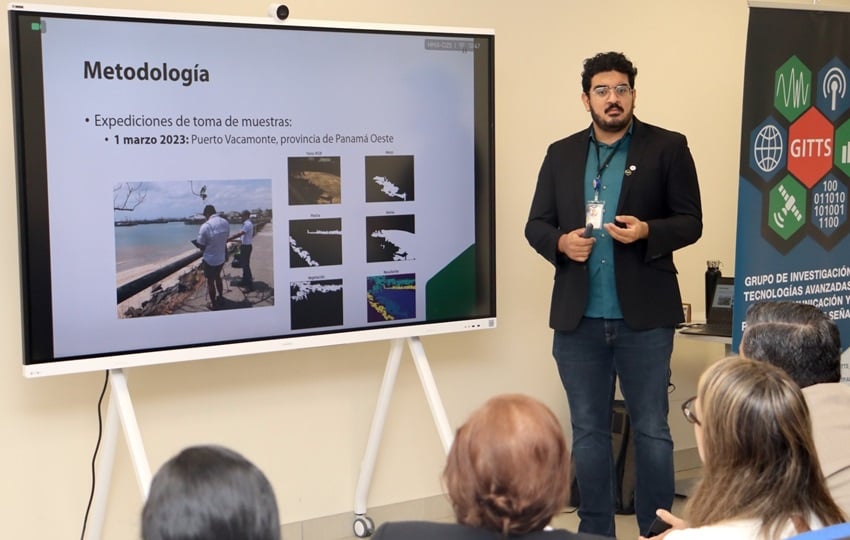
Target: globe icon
<point>768,148</point>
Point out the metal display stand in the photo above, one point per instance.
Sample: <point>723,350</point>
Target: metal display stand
<point>120,409</point>
<point>363,525</point>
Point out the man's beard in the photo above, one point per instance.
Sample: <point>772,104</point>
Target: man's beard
<point>614,124</point>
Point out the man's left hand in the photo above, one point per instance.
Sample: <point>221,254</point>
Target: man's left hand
<point>631,229</point>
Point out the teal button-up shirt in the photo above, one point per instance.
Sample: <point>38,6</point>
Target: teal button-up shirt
<point>603,301</point>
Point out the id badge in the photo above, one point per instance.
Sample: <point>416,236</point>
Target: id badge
<point>594,212</point>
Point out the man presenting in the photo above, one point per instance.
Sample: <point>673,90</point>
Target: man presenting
<point>616,301</point>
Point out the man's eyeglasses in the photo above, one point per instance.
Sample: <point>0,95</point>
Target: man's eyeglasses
<point>621,90</point>
<point>688,411</point>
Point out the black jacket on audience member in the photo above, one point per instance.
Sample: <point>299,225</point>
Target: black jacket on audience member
<point>425,530</point>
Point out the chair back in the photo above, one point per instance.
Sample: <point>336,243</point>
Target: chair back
<point>840,531</point>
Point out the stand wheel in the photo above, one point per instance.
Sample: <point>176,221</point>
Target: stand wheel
<point>363,526</point>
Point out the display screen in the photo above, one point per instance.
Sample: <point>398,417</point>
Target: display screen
<point>350,168</point>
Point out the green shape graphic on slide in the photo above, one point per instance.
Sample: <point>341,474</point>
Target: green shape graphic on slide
<point>450,294</point>
<point>786,212</point>
<point>792,88</point>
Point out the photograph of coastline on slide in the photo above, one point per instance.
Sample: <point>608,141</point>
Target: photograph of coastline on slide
<point>389,178</point>
<point>391,297</point>
<point>315,242</point>
<point>158,268</point>
<point>390,238</point>
<point>315,303</point>
<point>314,180</point>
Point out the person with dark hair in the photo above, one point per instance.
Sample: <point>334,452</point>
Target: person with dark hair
<point>761,478</point>
<point>210,493</point>
<point>246,235</point>
<point>804,342</point>
<point>507,475</point>
<point>212,241</point>
<point>611,205</point>
<point>799,338</point>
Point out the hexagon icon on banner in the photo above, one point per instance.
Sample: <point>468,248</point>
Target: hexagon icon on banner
<point>810,145</point>
<point>792,88</point>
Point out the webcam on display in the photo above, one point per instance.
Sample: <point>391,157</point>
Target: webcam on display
<point>279,11</point>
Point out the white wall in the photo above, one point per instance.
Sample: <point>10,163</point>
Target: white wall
<point>303,416</point>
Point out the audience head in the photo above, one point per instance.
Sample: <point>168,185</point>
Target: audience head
<point>209,210</point>
<point>508,469</point>
<point>799,338</point>
<point>210,493</point>
<point>754,435</point>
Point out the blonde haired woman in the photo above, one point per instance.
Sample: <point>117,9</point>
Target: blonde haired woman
<point>761,475</point>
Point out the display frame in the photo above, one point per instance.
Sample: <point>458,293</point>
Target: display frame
<point>463,301</point>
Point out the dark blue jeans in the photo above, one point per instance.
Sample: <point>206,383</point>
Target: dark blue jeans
<point>590,359</point>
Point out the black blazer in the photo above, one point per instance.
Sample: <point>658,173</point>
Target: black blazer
<point>662,190</point>
<point>424,530</point>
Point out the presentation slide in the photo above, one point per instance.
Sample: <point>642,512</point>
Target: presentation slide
<point>352,154</point>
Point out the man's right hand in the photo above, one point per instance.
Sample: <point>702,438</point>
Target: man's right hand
<point>574,246</point>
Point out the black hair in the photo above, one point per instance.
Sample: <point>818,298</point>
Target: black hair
<point>210,493</point>
<point>608,61</point>
<point>799,338</point>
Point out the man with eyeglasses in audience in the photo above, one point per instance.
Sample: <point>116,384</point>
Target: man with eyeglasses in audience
<point>611,205</point>
<point>804,342</point>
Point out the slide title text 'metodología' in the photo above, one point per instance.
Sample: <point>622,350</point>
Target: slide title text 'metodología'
<point>145,72</point>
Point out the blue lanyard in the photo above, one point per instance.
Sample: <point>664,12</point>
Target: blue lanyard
<point>597,182</point>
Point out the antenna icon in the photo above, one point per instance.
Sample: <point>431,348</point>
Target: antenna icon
<point>834,86</point>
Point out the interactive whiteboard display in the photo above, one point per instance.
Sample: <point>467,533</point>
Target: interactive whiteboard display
<point>361,157</point>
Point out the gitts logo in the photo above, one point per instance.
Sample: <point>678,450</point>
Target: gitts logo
<point>801,156</point>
